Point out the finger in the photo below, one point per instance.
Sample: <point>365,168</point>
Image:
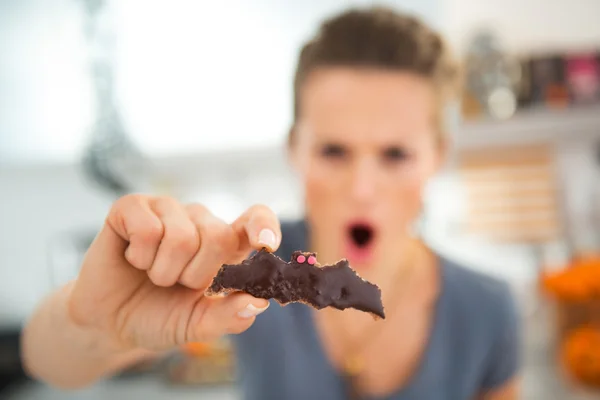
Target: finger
<point>179,244</point>
<point>218,244</point>
<point>133,220</point>
<point>258,227</point>
<point>218,316</point>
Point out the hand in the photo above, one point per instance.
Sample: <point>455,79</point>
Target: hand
<point>143,278</point>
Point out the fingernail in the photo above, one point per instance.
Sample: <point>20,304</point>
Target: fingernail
<point>267,238</point>
<point>251,311</point>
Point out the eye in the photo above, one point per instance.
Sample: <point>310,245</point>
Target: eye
<point>333,151</point>
<point>395,154</point>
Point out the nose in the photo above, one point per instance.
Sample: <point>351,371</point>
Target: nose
<point>363,181</point>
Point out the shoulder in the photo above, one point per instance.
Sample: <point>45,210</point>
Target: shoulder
<point>483,312</point>
<point>481,308</point>
<point>478,292</point>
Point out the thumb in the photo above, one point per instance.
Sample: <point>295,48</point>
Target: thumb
<point>215,316</point>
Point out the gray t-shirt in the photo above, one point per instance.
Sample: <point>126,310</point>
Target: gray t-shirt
<point>474,344</point>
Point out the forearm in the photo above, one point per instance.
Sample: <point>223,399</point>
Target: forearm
<point>63,354</point>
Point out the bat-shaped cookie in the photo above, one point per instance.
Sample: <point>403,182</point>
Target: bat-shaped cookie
<point>264,275</point>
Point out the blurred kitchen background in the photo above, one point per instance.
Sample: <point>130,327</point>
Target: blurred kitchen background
<point>193,99</point>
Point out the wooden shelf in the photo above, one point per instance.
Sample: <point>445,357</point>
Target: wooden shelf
<point>532,126</point>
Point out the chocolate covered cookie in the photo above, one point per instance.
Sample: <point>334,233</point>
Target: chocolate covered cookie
<point>264,275</point>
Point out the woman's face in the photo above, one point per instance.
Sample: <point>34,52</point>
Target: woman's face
<point>364,147</point>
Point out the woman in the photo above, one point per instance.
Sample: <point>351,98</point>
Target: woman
<point>368,134</point>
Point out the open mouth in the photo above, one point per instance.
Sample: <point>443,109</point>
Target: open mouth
<point>361,235</point>
<point>360,243</point>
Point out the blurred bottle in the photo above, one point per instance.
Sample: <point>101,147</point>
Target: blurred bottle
<point>524,88</point>
<point>583,77</point>
<point>548,83</point>
<point>492,78</point>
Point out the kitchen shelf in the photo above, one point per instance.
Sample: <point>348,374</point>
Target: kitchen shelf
<point>531,126</point>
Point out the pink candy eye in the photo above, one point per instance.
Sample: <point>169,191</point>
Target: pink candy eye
<point>301,259</point>
<point>312,260</point>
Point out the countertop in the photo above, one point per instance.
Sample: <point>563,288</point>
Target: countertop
<point>542,378</point>
<point>138,388</point>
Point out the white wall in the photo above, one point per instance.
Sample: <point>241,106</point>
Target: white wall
<point>38,204</point>
<point>182,68</point>
<point>45,97</point>
<point>526,25</point>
